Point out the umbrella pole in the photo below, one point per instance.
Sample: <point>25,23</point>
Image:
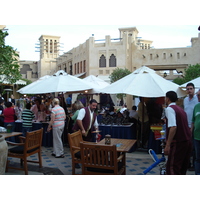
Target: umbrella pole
<point>142,128</point>
<point>63,105</point>
<point>142,124</point>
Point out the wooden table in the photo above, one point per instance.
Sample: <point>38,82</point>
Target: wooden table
<point>8,135</point>
<point>123,145</point>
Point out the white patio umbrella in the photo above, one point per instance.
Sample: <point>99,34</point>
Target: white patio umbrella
<point>195,81</point>
<point>26,88</point>
<point>96,83</point>
<point>144,82</point>
<point>59,82</point>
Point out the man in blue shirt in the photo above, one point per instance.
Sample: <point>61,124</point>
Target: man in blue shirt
<point>69,101</point>
<point>189,103</point>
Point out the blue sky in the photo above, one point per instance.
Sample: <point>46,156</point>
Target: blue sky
<point>24,37</point>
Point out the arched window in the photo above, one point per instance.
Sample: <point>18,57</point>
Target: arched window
<point>102,61</point>
<point>75,69</point>
<point>78,70</point>
<point>84,66</point>
<point>112,61</point>
<point>25,68</point>
<point>71,70</point>
<point>81,68</point>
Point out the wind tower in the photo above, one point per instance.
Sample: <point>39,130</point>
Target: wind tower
<point>49,48</point>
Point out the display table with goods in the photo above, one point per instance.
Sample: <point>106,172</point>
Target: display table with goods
<point>155,133</point>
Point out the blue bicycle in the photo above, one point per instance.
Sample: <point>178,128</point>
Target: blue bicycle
<point>158,162</point>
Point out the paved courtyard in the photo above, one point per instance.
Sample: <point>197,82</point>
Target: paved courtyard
<point>136,163</point>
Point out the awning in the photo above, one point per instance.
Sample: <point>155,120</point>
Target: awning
<point>19,82</point>
<point>79,75</point>
<point>59,82</point>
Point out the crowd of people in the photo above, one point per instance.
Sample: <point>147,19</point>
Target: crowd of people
<point>149,111</point>
<point>183,132</point>
<point>39,110</point>
<point>182,127</point>
<point>182,124</point>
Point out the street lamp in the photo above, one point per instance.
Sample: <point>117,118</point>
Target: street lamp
<point>165,75</point>
<point>8,90</point>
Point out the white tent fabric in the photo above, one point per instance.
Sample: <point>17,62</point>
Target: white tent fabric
<point>143,82</point>
<point>26,88</point>
<point>59,82</point>
<point>4,81</point>
<point>195,81</point>
<point>96,83</point>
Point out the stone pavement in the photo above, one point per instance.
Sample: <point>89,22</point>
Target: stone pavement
<point>136,163</point>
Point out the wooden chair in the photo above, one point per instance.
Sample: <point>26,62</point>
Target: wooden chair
<point>74,140</point>
<point>101,160</point>
<point>29,145</point>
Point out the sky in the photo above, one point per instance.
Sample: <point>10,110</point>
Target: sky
<point>25,37</point>
<point>168,24</point>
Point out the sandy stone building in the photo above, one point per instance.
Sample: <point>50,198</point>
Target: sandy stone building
<point>128,51</point>
<point>101,57</point>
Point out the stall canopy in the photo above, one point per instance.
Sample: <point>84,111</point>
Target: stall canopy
<point>195,81</point>
<point>96,83</point>
<point>59,82</point>
<point>26,88</point>
<point>5,81</point>
<point>144,82</point>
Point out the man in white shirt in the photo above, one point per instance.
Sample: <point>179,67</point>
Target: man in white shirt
<point>124,107</point>
<point>87,121</point>
<point>178,137</point>
<point>133,113</point>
